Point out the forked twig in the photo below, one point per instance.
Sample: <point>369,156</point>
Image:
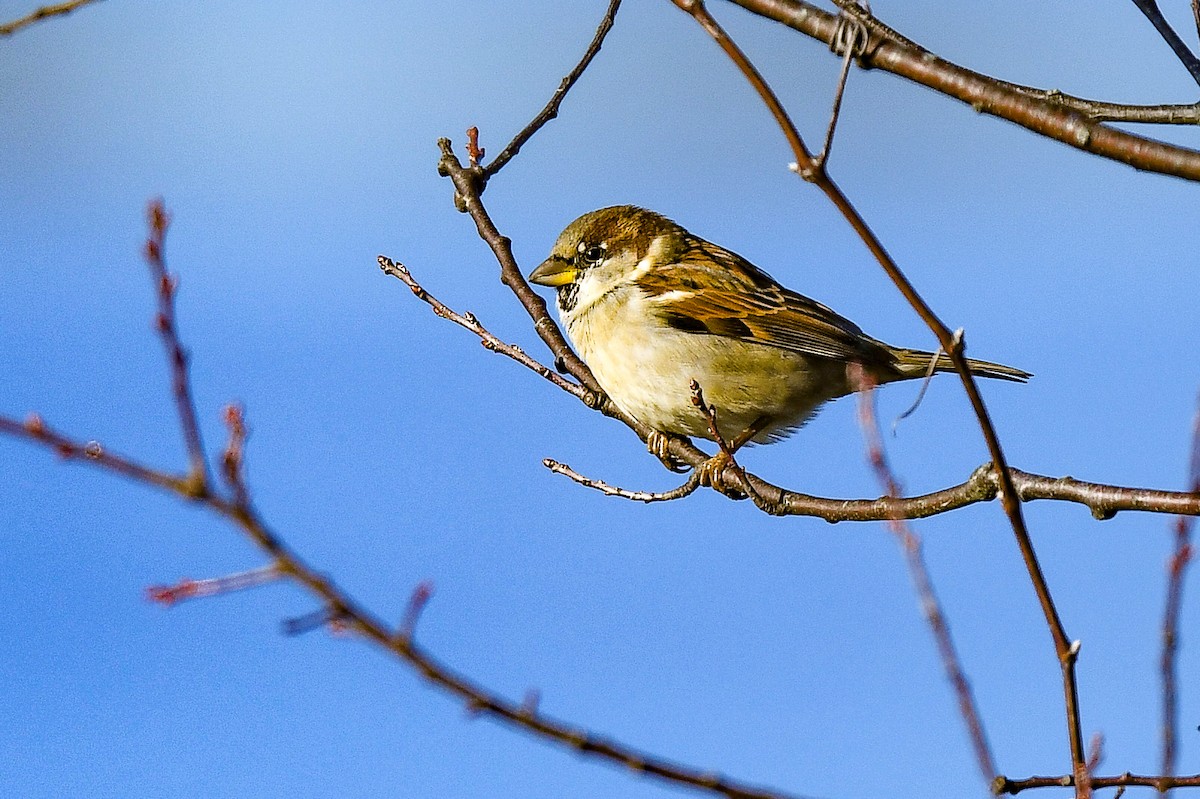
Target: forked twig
<point>1073,121</point>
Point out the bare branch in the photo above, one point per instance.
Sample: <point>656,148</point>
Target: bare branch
<point>687,489</point>
<point>35,430</point>
<point>45,12</point>
<point>213,586</point>
<point>340,609</point>
<point>177,357</point>
<point>1049,114</point>
<point>551,110</point>
<point>1104,501</point>
<point>1003,785</point>
<point>951,343</point>
<point>470,322</point>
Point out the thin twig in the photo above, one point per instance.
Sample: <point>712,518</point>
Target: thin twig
<point>1176,569</point>
<point>911,546</point>
<point>213,586</point>
<point>45,12</point>
<point>1004,785</point>
<point>712,472</point>
<point>811,171</point>
<point>1181,51</point>
<point>36,430</point>
<point>551,110</point>
<point>470,322</point>
<point>687,489</point>
<point>467,192</point>
<point>852,40</point>
<point>165,286</point>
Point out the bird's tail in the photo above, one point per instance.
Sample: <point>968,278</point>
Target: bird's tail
<point>915,363</point>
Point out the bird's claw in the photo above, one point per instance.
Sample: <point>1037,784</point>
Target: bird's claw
<point>659,445</point>
<point>712,474</point>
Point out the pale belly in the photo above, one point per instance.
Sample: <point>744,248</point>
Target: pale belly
<point>648,370</point>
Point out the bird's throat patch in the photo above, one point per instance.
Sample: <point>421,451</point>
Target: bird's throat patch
<point>568,296</point>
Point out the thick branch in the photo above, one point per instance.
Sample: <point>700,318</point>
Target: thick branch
<point>1033,109</point>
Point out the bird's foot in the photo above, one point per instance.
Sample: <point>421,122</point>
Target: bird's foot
<point>659,445</point>
<point>712,474</point>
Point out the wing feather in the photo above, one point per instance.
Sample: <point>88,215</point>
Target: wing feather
<point>729,296</point>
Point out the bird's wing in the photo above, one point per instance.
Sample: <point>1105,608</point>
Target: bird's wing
<point>707,289</point>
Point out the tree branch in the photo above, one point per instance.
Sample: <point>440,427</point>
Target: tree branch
<point>1003,785</point>
<point>470,322</point>
<point>950,343</point>
<point>45,12</point>
<point>238,509</point>
<point>1034,109</point>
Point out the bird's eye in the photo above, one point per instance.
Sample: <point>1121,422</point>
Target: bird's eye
<point>592,254</point>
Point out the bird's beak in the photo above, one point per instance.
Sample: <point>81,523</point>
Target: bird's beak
<point>554,271</point>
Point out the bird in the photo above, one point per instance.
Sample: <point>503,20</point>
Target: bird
<point>651,307</point>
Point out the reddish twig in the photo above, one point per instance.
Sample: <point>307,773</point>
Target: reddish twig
<point>475,153</point>
<point>1176,568</point>
<point>911,546</point>
<point>212,586</point>
<point>36,430</point>
<point>165,287</point>
<point>45,12</point>
<point>416,604</point>
<point>234,456</point>
<point>951,343</point>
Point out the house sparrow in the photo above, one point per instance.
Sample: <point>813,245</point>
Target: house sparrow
<point>651,307</point>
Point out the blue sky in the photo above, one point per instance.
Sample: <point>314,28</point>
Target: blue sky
<point>294,142</point>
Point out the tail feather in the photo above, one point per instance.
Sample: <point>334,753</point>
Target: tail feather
<point>915,363</point>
